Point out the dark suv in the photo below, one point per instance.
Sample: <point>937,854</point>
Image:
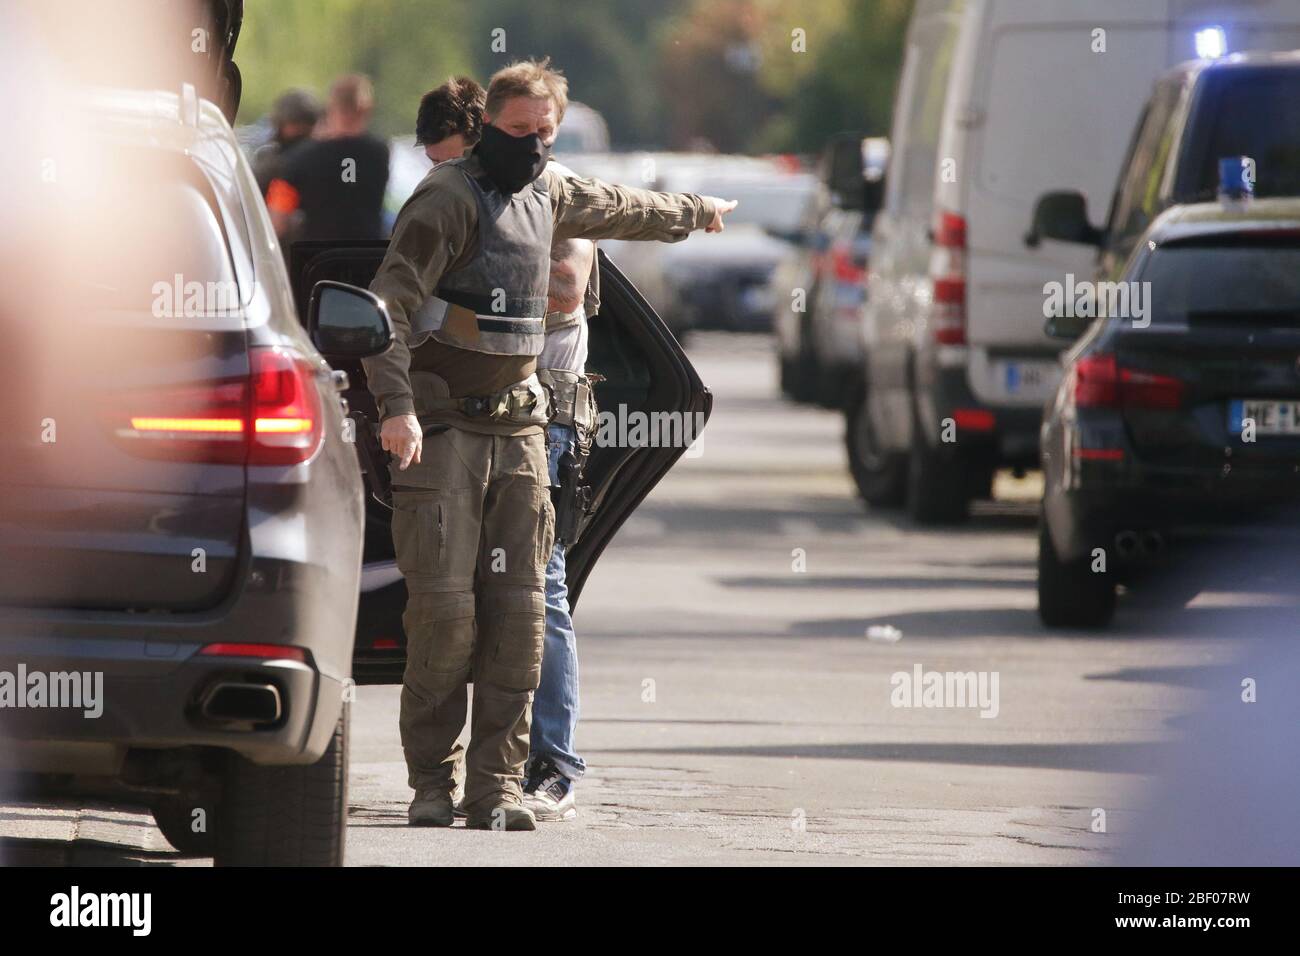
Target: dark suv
<point>1182,422</point>
<point>182,512</point>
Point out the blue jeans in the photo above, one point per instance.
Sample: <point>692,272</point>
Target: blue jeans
<point>555,704</point>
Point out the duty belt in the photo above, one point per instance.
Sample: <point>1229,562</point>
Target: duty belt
<point>573,402</point>
<point>524,403</point>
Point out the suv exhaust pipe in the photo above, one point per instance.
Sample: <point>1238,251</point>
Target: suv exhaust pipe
<point>1152,544</point>
<point>244,703</point>
<point>1127,544</point>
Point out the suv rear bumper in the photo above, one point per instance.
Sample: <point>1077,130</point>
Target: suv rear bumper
<point>1181,506</point>
<point>149,696</point>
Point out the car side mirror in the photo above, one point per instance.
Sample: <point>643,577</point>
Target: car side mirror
<point>1062,216</point>
<point>346,321</point>
<point>845,174</point>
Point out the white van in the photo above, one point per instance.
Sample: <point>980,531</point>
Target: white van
<point>1000,101</point>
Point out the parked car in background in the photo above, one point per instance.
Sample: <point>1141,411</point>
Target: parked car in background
<point>583,131</point>
<point>725,281</point>
<point>819,288</point>
<point>1185,420</point>
<point>1201,113</point>
<point>998,101</point>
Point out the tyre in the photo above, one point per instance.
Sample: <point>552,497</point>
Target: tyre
<point>799,374</point>
<point>286,816</point>
<point>879,476</point>
<point>176,819</point>
<point>1070,593</point>
<point>938,488</point>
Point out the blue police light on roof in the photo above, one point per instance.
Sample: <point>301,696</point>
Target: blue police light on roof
<point>1236,177</point>
<point>1211,43</point>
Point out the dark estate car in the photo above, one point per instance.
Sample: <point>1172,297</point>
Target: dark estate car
<point>1179,419</point>
<point>184,520</point>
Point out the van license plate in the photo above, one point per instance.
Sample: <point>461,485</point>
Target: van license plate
<point>1270,417</point>
<point>1034,380</point>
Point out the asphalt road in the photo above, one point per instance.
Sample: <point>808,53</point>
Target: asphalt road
<point>736,710</point>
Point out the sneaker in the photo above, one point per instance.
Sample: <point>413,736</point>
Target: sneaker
<point>549,793</point>
<point>430,808</point>
<point>501,816</point>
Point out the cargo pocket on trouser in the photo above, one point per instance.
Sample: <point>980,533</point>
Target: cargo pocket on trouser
<point>435,537</point>
<point>419,531</point>
<point>511,626</point>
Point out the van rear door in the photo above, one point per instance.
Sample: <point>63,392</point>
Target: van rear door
<point>1054,95</point>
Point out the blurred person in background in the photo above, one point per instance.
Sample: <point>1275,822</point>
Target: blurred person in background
<point>293,117</point>
<point>450,119</point>
<point>334,186</point>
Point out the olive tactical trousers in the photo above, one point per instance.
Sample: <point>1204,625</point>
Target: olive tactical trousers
<point>473,527</point>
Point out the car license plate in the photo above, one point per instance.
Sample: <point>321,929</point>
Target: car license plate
<point>1028,379</point>
<point>1270,417</point>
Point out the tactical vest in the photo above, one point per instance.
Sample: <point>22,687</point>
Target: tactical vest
<point>496,303</point>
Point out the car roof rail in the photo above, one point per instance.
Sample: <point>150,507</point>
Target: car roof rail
<point>189,105</point>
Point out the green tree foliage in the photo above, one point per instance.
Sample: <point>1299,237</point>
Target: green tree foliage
<point>405,46</point>
<point>667,73</point>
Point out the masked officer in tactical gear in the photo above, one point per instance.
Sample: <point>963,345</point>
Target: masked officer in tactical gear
<point>449,122</point>
<point>465,280</point>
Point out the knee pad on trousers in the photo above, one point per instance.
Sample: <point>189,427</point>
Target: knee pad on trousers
<point>511,626</point>
<point>439,642</point>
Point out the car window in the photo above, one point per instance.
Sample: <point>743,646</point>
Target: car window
<point>155,243</point>
<point>775,205</point>
<point>1248,281</point>
<point>1138,200</point>
<point>924,88</point>
<point>1244,112</point>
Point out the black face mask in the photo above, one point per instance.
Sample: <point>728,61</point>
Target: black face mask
<point>511,162</point>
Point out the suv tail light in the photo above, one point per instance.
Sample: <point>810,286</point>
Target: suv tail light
<point>948,278</point>
<point>1099,381</point>
<point>271,417</point>
<point>286,410</point>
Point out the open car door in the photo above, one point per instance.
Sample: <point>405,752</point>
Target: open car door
<point>652,403</point>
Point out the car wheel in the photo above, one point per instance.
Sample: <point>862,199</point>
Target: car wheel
<point>799,377</point>
<point>176,819</point>
<point>938,488</point>
<point>879,475</point>
<point>286,816</point>
<point>1070,593</point>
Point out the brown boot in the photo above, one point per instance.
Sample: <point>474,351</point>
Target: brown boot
<point>430,808</point>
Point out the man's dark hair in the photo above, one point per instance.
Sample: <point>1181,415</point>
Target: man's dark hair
<point>455,107</point>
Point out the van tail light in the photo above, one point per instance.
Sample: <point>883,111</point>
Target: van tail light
<point>272,416</point>
<point>948,279</point>
<point>1099,381</point>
